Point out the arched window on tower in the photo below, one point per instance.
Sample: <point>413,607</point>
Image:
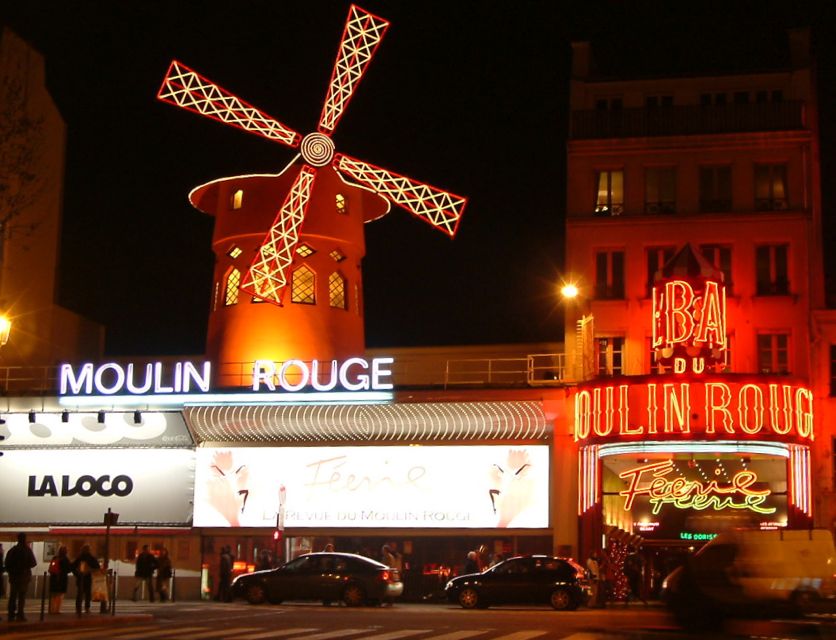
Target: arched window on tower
<point>303,286</point>
<point>336,291</point>
<point>237,199</point>
<point>233,280</point>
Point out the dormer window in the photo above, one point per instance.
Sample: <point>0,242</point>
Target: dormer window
<point>304,250</point>
<point>237,199</point>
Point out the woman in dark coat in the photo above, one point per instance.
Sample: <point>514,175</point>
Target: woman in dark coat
<point>83,567</point>
<point>59,569</point>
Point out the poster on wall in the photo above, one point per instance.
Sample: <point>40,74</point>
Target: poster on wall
<point>428,486</point>
<point>54,487</point>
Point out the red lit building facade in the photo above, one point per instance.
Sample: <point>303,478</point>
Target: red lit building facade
<point>707,177</point>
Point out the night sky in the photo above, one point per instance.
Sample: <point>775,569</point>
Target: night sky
<point>467,95</point>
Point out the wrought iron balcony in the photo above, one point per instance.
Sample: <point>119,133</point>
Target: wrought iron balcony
<point>687,120</point>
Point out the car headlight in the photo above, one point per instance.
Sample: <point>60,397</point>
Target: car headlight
<point>449,585</point>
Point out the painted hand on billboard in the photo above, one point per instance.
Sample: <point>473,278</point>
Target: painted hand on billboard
<point>228,487</point>
<point>512,486</point>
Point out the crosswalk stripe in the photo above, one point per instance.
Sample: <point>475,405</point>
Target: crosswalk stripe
<point>331,634</point>
<point>159,632</point>
<point>82,634</point>
<point>458,635</point>
<point>216,633</point>
<point>394,635</point>
<point>522,635</point>
<point>275,633</point>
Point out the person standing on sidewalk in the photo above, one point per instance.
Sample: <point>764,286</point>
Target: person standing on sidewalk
<point>164,573</point>
<point>59,568</point>
<point>83,567</point>
<point>144,572</point>
<point>225,574</point>
<point>19,563</point>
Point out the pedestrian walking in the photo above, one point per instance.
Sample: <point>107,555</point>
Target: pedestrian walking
<point>224,574</point>
<point>146,563</point>
<point>265,561</point>
<point>60,568</point>
<point>19,562</point>
<point>164,573</point>
<point>83,567</point>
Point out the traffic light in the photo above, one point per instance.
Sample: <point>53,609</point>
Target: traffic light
<point>277,535</point>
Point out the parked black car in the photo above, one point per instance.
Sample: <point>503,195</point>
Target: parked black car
<point>330,577</point>
<point>560,582</point>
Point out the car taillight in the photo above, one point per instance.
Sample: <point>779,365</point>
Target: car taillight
<point>384,575</point>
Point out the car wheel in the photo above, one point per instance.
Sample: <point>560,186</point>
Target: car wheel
<point>255,593</point>
<point>561,600</point>
<point>802,601</point>
<point>469,598</point>
<point>353,595</point>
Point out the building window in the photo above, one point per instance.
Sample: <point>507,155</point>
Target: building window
<point>237,199</point>
<point>304,250</point>
<point>303,286</point>
<point>233,281</point>
<point>336,291</point>
<point>773,353</point>
<point>741,97</point>
<point>833,370</point>
<point>609,104</point>
<point>660,190</point>
<point>657,257</point>
<point>609,275</point>
<point>720,257</point>
<point>654,102</point>
<point>337,255</point>
<point>715,189</point>
<point>342,204</point>
<point>610,352</point>
<point>771,270</point>
<point>770,187</point>
<point>234,251</point>
<point>609,193</point>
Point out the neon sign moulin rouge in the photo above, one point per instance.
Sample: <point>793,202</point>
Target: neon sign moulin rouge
<point>689,326</point>
<point>719,409</point>
<point>692,494</point>
<point>354,374</point>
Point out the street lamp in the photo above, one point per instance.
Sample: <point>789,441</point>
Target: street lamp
<point>583,361</point>
<point>5,329</point>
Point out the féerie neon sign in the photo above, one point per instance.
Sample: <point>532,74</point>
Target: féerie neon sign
<point>689,326</point>
<point>682,493</point>
<point>725,407</point>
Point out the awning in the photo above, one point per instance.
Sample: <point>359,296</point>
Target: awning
<point>401,422</point>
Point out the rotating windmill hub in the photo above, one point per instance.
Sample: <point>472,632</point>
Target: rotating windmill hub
<point>317,149</point>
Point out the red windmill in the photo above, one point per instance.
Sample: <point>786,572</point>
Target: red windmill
<point>266,277</point>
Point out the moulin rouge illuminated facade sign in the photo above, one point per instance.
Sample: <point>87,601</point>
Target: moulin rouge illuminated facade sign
<point>715,409</point>
<point>354,374</point>
<point>689,324</point>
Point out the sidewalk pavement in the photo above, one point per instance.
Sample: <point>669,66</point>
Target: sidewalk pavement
<point>67,619</point>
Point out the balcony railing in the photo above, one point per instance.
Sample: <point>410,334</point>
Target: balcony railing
<point>687,120</point>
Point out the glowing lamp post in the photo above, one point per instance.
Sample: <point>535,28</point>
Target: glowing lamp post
<point>5,329</point>
<point>584,360</point>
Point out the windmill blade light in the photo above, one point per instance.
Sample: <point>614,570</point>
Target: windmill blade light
<point>267,275</point>
<point>361,37</point>
<point>187,89</point>
<point>441,209</point>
